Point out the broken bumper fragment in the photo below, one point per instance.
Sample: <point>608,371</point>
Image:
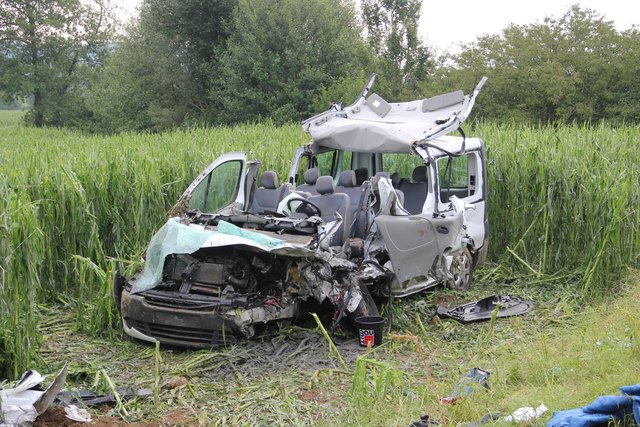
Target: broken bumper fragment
<point>197,322</point>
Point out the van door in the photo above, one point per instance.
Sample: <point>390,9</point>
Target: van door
<point>220,187</point>
<point>464,177</point>
<point>416,245</point>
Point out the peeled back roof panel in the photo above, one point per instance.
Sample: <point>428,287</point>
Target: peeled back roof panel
<point>381,127</point>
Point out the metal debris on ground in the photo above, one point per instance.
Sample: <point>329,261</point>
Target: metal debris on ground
<point>484,309</point>
<point>489,418</point>
<point>425,421</point>
<point>22,404</point>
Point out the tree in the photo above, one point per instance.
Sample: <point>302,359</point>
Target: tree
<point>626,89</point>
<point>163,69</point>
<point>392,32</point>
<point>46,49</point>
<point>575,68</point>
<point>282,54</point>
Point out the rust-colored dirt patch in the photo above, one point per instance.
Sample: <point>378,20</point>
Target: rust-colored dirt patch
<point>55,417</point>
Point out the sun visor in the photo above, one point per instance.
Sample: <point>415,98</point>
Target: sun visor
<point>439,102</point>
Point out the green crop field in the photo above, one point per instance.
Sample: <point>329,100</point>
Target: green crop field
<point>564,209</point>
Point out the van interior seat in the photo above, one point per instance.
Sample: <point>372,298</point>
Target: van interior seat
<point>329,202</point>
<point>357,195</point>
<point>390,178</point>
<point>415,191</point>
<point>395,179</point>
<point>268,195</point>
<point>362,175</point>
<point>310,178</point>
<point>347,185</point>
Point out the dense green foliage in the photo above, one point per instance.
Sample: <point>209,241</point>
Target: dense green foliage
<point>565,200</point>
<point>163,72</point>
<point>563,203</point>
<point>282,53</point>
<point>188,63</point>
<point>48,51</point>
<point>573,69</point>
<point>392,33</point>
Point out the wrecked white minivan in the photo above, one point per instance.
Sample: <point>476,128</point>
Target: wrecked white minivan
<point>382,202</point>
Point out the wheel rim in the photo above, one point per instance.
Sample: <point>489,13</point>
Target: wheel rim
<point>460,271</point>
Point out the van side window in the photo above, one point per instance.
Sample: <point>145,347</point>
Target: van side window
<point>217,190</point>
<point>453,177</point>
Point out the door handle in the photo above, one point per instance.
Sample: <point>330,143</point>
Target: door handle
<point>442,230</point>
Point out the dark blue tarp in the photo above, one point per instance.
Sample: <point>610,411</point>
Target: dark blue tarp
<point>603,410</point>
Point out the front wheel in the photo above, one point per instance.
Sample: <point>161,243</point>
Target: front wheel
<point>461,271</point>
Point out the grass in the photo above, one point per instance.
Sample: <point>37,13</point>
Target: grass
<point>565,199</point>
<point>562,355</point>
<point>563,206</point>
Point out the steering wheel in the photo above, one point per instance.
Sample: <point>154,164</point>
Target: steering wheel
<point>306,207</point>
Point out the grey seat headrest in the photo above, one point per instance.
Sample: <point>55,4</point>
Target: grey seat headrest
<point>395,179</point>
<point>324,185</point>
<point>347,179</point>
<point>362,175</point>
<point>269,180</point>
<point>419,174</point>
<point>311,176</point>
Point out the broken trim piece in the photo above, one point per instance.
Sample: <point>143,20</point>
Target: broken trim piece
<point>485,308</point>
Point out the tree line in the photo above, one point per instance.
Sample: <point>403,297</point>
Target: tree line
<point>187,62</point>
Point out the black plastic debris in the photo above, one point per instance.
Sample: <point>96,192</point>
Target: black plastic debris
<point>483,309</point>
<point>489,418</point>
<point>90,398</point>
<point>425,421</point>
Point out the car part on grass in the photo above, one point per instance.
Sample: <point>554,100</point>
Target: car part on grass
<point>242,256</point>
<point>484,309</point>
<point>488,418</point>
<point>22,404</point>
<point>477,378</point>
<point>91,398</point>
<point>425,421</point>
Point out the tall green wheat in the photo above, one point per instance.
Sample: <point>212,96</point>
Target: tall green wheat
<point>560,199</point>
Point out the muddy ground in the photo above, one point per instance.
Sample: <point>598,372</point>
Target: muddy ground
<point>289,378</point>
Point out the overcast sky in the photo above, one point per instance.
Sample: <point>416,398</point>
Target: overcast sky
<point>445,24</point>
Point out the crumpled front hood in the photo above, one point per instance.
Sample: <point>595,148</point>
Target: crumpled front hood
<point>177,238</point>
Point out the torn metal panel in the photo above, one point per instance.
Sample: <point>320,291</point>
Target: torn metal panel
<point>414,243</point>
<point>21,405</point>
<point>374,125</point>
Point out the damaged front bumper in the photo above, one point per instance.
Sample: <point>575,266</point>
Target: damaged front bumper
<point>151,317</point>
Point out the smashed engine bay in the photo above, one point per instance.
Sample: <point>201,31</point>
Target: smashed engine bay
<point>215,296</point>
